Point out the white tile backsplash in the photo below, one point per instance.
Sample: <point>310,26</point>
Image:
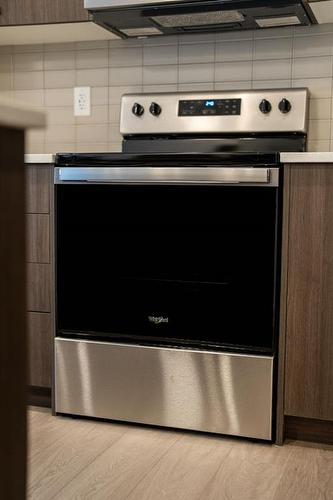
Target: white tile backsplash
<point>319,130</point>
<point>272,69</point>
<point>196,73</point>
<point>44,76</point>
<point>307,67</point>
<point>271,84</point>
<point>160,75</point>
<point>92,58</point>
<point>97,77</point>
<point>160,55</point>
<point>319,87</point>
<point>125,76</point>
<point>59,59</point>
<point>320,45</point>
<point>320,109</point>
<point>274,48</point>
<point>125,56</point>
<point>6,62</point>
<point>59,79</point>
<point>233,71</point>
<point>233,85</point>
<point>197,53</point>
<point>238,50</point>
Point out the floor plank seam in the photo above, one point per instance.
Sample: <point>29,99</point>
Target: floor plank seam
<point>86,466</point>
<point>155,464</point>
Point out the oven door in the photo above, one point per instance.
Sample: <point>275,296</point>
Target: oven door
<point>157,258</point>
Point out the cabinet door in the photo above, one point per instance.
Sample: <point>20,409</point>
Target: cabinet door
<point>65,11</point>
<point>309,342</point>
<point>40,349</point>
<point>4,14</point>
<point>38,189</point>
<point>15,12</point>
<point>38,238</point>
<point>39,287</point>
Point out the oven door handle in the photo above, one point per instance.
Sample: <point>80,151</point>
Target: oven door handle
<point>241,176</point>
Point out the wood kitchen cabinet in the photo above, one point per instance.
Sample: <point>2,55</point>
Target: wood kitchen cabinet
<point>309,293</point>
<point>65,11</point>
<point>39,275</point>
<point>14,12</point>
<point>40,349</point>
<point>19,12</point>
<point>38,189</point>
<point>38,238</point>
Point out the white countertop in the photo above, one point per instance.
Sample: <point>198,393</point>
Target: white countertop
<point>41,158</point>
<point>324,157</point>
<point>18,115</point>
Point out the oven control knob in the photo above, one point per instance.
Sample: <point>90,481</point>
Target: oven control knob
<point>285,106</point>
<point>138,110</point>
<point>155,109</point>
<point>265,106</point>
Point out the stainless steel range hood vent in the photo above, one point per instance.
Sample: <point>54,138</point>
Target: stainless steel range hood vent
<point>199,19</point>
<point>137,18</point>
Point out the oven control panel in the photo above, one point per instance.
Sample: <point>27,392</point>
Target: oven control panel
<point>209,107</point>
<point>220,112</point>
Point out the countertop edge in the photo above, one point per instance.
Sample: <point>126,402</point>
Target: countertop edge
<point>320,157</point>
<point>39,158</point>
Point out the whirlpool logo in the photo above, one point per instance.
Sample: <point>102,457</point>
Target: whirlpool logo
<point>158,320</point>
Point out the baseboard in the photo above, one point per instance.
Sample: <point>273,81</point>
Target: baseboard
<point>39,396</point>
<point>308,429</point>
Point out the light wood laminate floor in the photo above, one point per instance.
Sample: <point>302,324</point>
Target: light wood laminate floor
<point>84,459</point>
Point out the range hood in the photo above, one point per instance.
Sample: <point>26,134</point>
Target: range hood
<point>141,18</point>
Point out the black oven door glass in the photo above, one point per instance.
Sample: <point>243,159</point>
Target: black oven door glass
<point>180,265</point>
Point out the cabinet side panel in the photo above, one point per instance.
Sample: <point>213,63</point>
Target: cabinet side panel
<point>309,347</point>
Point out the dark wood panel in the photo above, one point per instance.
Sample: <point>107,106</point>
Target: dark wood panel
<point>40,349</point>
<point>64,11</point>
<point>309,348</point>
<point>38,287</point>
<point>307,429</point>
<point>4,12</point>
<point>39,396</point>
<point>12,316</point>
<point>38,238</point>
<point>26,12</point>
<point>38,189</point>
<point>20,12</point>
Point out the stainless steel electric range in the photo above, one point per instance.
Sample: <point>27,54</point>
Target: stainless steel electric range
<point>168,263</point>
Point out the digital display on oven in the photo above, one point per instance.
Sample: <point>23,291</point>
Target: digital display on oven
<point>210,107</point>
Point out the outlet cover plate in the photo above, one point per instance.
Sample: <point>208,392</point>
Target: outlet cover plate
<point>82,101</point>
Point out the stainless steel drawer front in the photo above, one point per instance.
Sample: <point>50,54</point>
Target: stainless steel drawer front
<point>151,175</point>
<point>197,390</point>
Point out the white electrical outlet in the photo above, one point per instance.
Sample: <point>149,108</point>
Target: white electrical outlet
<point>82,105</point>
